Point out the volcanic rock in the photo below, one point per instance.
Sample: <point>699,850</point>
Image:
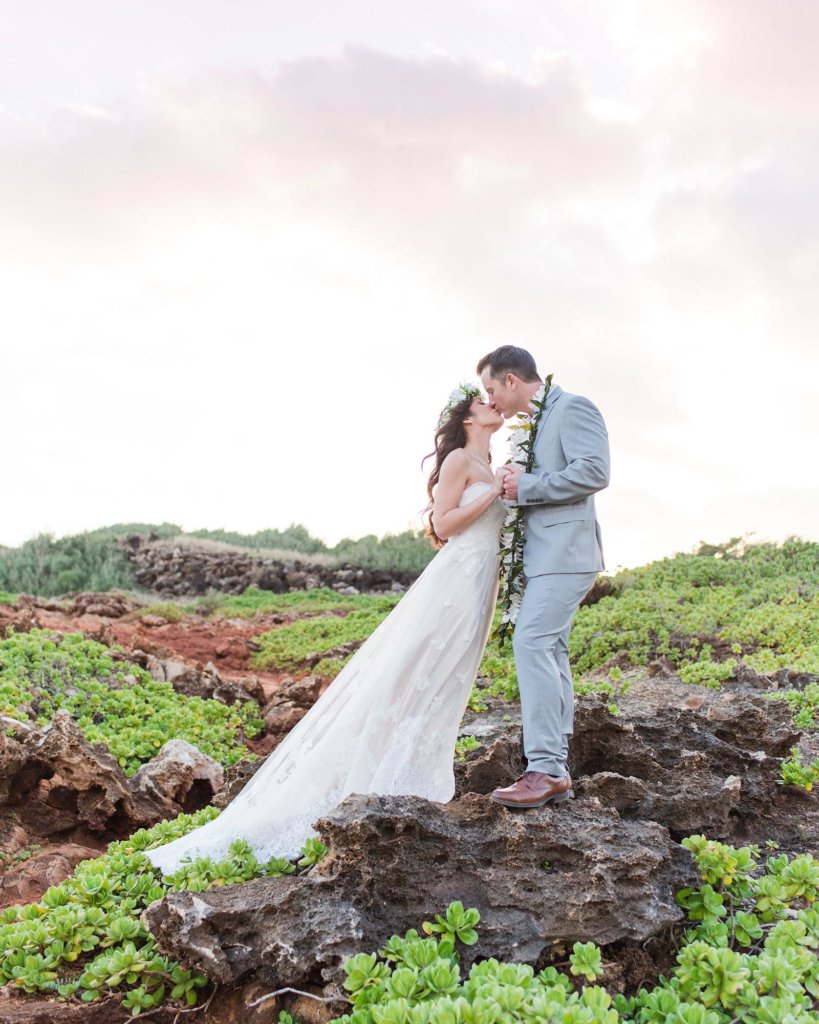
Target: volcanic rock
<point>237,777</point>
<point>173,570</point>
<point>13,838</point>
<point>545,877</point>
<point>26,881</point>
<point>291,703</point>
<point>54,781</point>
<point>112,604</point>
<point>65,782</point>
<point>205,682</point>
<point>180,776</point>
<point>691,758</point>
<point>497,763</point>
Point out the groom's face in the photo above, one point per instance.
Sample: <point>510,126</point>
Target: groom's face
<point>501,394</point>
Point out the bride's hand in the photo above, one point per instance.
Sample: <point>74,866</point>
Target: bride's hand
<point>500,476</point>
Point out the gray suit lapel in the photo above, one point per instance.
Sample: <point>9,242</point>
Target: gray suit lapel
<point>554,394</point>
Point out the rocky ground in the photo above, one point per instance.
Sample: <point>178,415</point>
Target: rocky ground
<point>174,569</point>
<point>195,641</point>
<point>675,760</point>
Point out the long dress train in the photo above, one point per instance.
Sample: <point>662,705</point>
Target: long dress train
<point>388,722</point>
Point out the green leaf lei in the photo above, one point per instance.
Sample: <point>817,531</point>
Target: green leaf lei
<point>522,445</point>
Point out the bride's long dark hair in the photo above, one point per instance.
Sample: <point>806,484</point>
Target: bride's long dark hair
<point>451,434</point>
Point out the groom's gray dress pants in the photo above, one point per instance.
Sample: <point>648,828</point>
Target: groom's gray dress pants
<point>541,646</point>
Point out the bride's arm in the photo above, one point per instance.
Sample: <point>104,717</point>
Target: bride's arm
<point>447,518</point>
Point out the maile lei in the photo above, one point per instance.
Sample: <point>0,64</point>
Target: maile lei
<point>522,453</point>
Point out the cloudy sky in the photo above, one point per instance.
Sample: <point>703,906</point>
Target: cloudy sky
<point>249,247</point>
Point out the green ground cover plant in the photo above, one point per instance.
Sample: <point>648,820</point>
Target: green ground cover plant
<point>26,853</point>
<point>84,940</point>
<point>329,668</point>
<point>115,703</point>
<point>463,745</point>
<point>297,602</point>
<point>286,647</point>
<point>794,772</point>
<point>8,598</point>
<point>500,679</point>
<point>803,703</point>
<point>704,612</point>
<point>749,956</point>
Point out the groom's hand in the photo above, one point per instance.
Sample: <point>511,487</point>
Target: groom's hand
<point>510,483</point>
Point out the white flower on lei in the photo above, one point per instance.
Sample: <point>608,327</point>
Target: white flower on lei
<point>521,453</point>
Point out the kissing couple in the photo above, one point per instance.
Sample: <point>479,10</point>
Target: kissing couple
<point>389,721</point>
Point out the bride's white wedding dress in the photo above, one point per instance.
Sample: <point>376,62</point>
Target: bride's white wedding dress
<point>388,722</point>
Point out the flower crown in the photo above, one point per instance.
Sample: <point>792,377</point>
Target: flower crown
<point>458,395</point>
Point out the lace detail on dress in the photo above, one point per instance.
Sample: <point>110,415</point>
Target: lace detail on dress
<point>480,540</point>
<point>389,721</point>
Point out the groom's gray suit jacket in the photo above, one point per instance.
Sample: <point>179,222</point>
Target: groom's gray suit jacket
<point>571,463</point>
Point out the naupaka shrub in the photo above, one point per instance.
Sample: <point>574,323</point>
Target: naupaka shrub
<point>114,702</point>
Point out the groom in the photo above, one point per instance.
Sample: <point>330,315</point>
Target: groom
<point>562,554</point>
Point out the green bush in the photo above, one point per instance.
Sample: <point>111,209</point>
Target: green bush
<point>294,538</point>
<point>47,567</point>
<point>119,530</point>
<point>400,552</point>
<point>41,672</point>
<point>297,602</point>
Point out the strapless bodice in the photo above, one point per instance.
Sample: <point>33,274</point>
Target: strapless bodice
<point>484,533</point>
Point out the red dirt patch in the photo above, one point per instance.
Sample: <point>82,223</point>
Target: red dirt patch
<point>27,881</point>
<point>224,641</point>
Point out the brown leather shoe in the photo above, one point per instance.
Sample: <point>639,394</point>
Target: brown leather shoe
<point>533,789</point>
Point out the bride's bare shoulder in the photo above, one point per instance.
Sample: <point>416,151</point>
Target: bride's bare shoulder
<point>455,465</point>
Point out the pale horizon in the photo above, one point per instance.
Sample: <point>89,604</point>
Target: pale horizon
<point>251,248</point>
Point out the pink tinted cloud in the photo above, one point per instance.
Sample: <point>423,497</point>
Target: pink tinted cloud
<point>405,148</point>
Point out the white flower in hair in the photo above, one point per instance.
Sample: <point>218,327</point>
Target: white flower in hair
<point>456,396</point>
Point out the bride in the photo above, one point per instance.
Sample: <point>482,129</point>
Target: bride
<point>389,721</point>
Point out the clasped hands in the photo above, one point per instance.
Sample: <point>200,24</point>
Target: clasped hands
<point>506,479</point>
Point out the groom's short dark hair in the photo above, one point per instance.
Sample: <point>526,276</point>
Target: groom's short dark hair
<point>510,359</point>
